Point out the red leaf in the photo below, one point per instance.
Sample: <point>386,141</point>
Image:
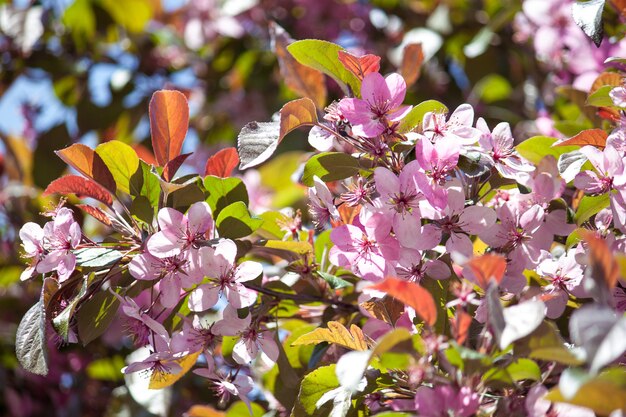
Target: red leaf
<point>82,187</point>
<point>488,267</point>
<point>222,163</point>
<point>172,166</point>
<point>411,294</point>
<point>87,162</point>
<point>593,137</point>
<point>144,154</point>
<point>169,119</point>
<point>411,63</point>
<point>604,267</point>
<point>460,325</point>
<point>360,65</point>
<point>96,213</point>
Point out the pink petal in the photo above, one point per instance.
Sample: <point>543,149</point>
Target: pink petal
<point>203,298</point>
<point>475,219</point>
<point>199,217</point>
<point>247,271</point>
<point>375,91</point>
<point>387,184</point>
<point>397,89</point>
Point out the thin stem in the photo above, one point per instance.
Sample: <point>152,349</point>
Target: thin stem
<point>301,297</point>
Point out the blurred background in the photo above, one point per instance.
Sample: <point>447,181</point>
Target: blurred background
<point>84,71</point>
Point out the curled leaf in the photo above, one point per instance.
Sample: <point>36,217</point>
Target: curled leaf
<point>335,333</point>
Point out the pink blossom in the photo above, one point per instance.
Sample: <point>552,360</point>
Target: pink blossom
<point>321,204</point>
<point>367,250</point>
<point>226,277</point>
<point>413,266</point>
<point>163,363</point>
<point>565,276</point>
<point>32,236</point>
<point>179,231</point>
<point>174,273</point>
<point>253,341</point>
<point>195,336</point>
<point>438,160</point>
<point>458,129</point>
<point>380,106</point>
<point>499,146</point>
<point>146,330</point>
<point>445,400</point>
<point>61,236</point>
<point>618,96</point>
<point>239,385</point>
<point>536,406</point>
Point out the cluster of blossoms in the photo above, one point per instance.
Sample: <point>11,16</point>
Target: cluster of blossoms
<point>431,218</point>
<point>560,44</point>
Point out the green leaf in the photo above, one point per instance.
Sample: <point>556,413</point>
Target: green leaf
<point>223,192</point>
<point>330,166</point>
<point>600,97</point>
<point>334,281</point>
<point>122,161</point>
<point>313,387</point>
<point>519,370</point>
<point>97,257</point>
<point>324,56</point>
<point>415,117</point>
<point>106,369</point>
<point>61,322</point>
<point>95,315</point>
<point>80,19</point>
<point>131,14</point>
<point>240,409</point>
<point>492,88</point>
<point>234,221</point>
<point>545,343</point>
<point>536,148</point>
<point>144,183</point>
<point>589,206</point>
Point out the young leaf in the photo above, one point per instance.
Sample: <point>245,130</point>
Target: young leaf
<point>256,142</point>
<point>222,163</point>
<point>324,56</point>
<point>488,267</point>
<point>359,65</point>
<point>593,137</point>
<point>330,166</point>
<point>82,187</point>
<point>335,333</point>
<point>83,159</point>
<point>411,294</point>
<point>305,81</point>
<point>224,192</point>
<point>122,161</point>
<point>30,341</point>
<point>590,205</point>
<point>600,97</point>
<point>314,385</point>
<point>159,380</point>
<point>588,16</point>
<point>415,117</point>
<point>412,61</point>
<point>234,221</point>
<point>169,119</point>
<point>296,113</point>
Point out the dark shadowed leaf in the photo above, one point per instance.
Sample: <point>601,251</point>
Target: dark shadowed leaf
<point>334,281</point>
<point>172,166</point>
<point>387,309</point>
<point>95,315</point>
<point>82,187</point>
<point>169,119</point>
<point>234,221</point>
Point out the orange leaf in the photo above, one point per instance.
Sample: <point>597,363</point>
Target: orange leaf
<point>604,267</point>
<point>593,137</point>
<point>347,214</point>
<point>83,159</point>
<point>412,61</point>
<point>204,411</point>
<point>169,119</point>
<point>359,65</point>
<point>620,6</point>
<point>606,78</point>
<point>81,186</point>
<point>222,163</point>
<point>296,113</point>
<point>335,333</point>
<point>305,81</point>
<point>96,213</point>
<point>488,267</point>
<point>144,154</point>
<point>460,325</point>
<point>160,379</point>
<point>411,294</point>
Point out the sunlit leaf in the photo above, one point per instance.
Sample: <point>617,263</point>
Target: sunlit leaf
<point>234,221</point>
<point>160,380</point>
<point>82,187</point>
<point>488,267</point>
<point>335,333</point>
<point>412,61</point>
<point>330,166</point>
<point>359,65</point>
<point>538,147</point>
<point>169,119</point>
<point>122,161</point>
<point>588,16</point>
<point>83,159</point>
<point>296,113</point>
<point>415,117</point>
<point>411,294</point>
<point>222,163</point>
<point>590,205</point>
<point>593,137</point>
<point>30,341</point>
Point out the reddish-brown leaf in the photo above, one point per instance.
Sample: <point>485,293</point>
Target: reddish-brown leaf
<point>606,78</point>
<point>172,166</point>
<point>360,65</point>
<point>222,163</point>
<point>608,113</point>
<point>488,267</point>
<point>593,137</point>
<point>87,162</point>
<point>169,119</point>
<point>604,267</point>
<point>347,214</point>
<point>96,213</point>
<point>81,186</point>
<point>145,154</point>
<point>305,81</point>
<point>412,61</point>
<point>296,113</point>
<point>411,294</point>
<point>460,325</point>
<point>387,309</point>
